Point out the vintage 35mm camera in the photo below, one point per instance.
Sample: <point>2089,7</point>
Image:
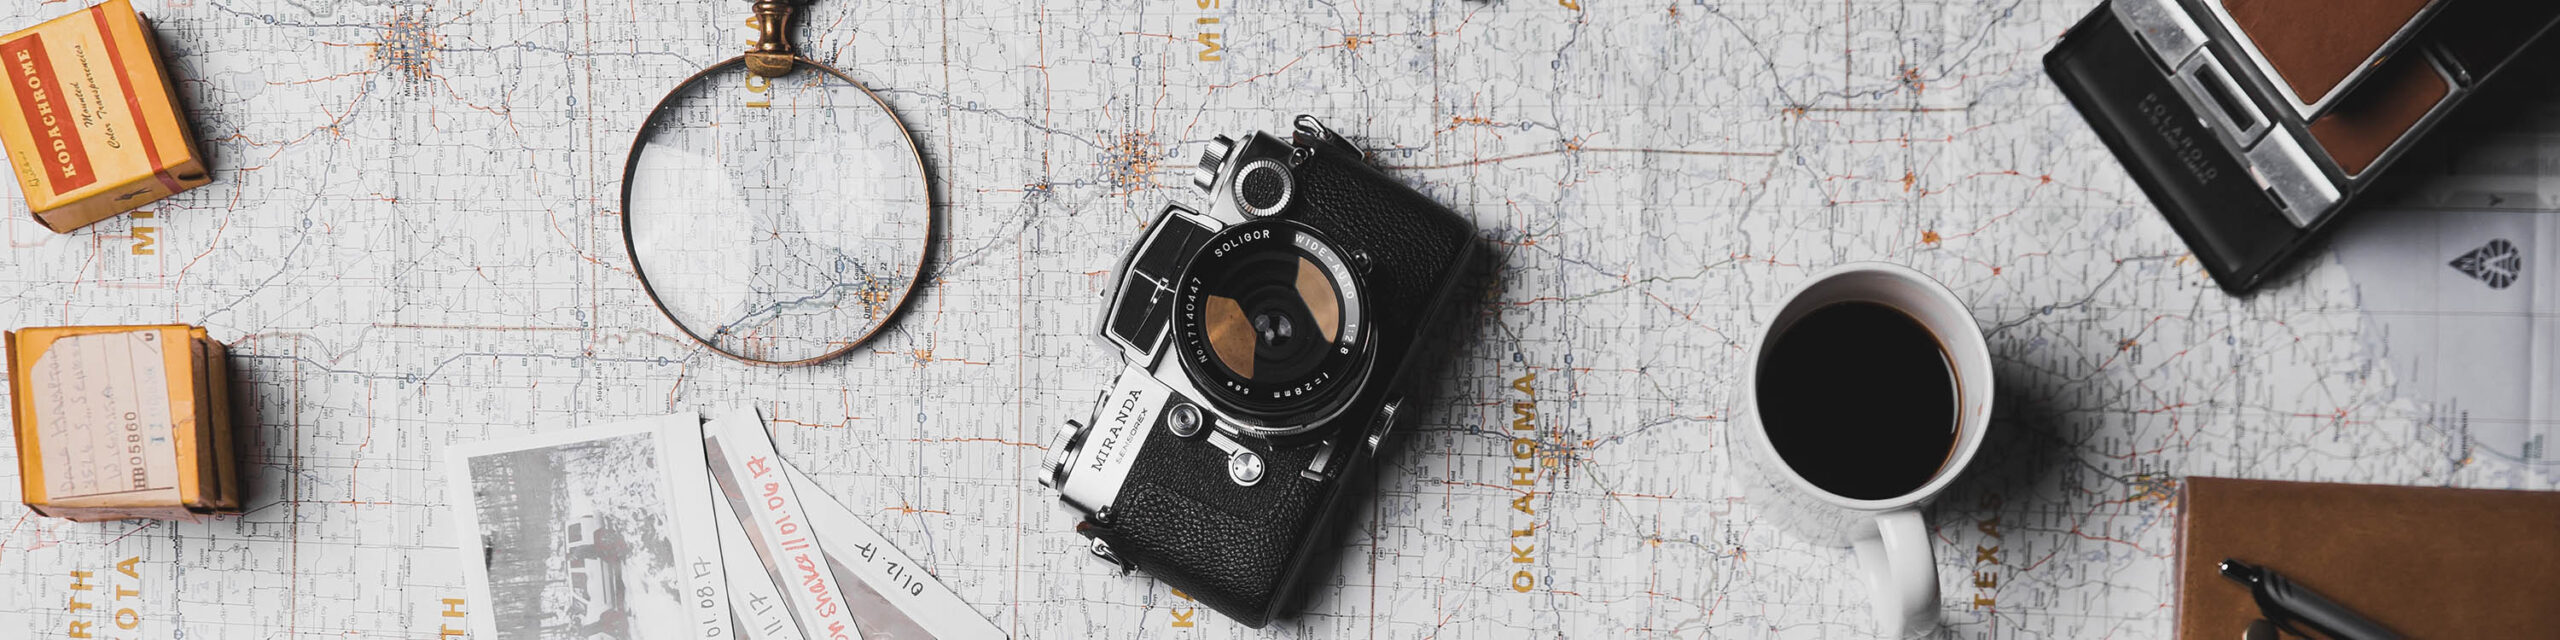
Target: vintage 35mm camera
<point>1267,346</point>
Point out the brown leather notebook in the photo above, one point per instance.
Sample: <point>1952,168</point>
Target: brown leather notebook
<point>2427,562</point>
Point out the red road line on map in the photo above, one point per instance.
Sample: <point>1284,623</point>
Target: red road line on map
<point>350,74</point>
<point>464,327</point>
<point>467,327</point>
<point>1249,79</point>
<point>135,530</point>
<point>293,554</point>
<point>1002,441</point>
<point>1021,298</point>
<point>1524,492</point>
<point>208,250</point>
<point>1581,149</point>
<point>1684,314</point>
<point>13,532</point>
<point>1618,494</point>
<point>355,461</point>
<point>554,219</point>
<point>2093,510</point>
<point>1883,109</point>
<point>847,422</point>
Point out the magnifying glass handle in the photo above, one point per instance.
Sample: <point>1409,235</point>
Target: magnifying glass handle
<point>771,55</point>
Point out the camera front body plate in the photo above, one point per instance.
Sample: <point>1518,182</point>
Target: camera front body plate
<point>1139,319</point>
<point>1121,419</point>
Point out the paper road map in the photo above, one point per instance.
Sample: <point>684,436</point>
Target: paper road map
<point>411,242</point>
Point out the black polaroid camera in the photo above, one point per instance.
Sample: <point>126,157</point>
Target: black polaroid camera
<point>1268,344</point>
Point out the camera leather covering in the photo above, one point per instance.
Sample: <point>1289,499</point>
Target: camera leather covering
<point>1357,206</point>
<point>1230,547</point>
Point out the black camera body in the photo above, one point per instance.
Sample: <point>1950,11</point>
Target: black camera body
<point>1268,345</point>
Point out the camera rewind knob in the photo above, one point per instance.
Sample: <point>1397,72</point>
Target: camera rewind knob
<point>1213,158</point>
<point>1062,452</point>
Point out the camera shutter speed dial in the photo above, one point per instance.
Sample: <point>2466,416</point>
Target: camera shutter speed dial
<point>1264,187</point>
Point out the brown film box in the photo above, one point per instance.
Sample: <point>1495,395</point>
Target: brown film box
<point>90,121</point>
<point>122,422</point>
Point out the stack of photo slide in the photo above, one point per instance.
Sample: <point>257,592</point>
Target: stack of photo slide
<point>687,525</point>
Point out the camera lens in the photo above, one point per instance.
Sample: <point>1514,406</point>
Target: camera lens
<point>1279,320</point>
<point>1270,319</point>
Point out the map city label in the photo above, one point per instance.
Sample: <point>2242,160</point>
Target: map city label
<point>1524,473</point>
<point>89,605</point>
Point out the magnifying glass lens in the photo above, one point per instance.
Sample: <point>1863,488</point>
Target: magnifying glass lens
<point>779,221</point>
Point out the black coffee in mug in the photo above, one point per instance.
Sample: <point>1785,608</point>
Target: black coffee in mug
<point>1860,399</point>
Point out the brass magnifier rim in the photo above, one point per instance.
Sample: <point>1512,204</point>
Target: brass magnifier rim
<point>924,249</point>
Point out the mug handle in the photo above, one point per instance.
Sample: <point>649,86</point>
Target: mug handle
<point>1901,571</point>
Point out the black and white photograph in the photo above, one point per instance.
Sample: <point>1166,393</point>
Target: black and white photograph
<point>575,536</point>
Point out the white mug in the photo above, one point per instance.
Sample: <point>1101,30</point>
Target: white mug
<point>1891,540</point>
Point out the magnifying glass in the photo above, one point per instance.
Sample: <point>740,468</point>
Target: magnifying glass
<point>774,209</point>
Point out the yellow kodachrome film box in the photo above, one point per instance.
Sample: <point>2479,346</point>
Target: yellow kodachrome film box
<point>122,422</point>
<point>90,121</point>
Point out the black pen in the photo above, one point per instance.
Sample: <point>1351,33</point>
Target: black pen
<point>2284,603</point>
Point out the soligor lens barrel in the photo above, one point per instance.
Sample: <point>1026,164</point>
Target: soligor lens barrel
<point>1269,323</point>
